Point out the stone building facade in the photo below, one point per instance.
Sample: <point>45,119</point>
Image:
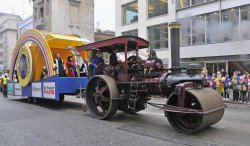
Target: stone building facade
<point>65,17</point>
<point>8,38</point>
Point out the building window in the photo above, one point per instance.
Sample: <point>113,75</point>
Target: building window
<point>35,13</point>
<point>196,2</point>
<point>130,33</point>
<point>186,3</point>
<point>245,22</point>
<point>47,8</point>
<point>41,16</point>
<point>213,27</point>
<point>158,36</point>
<point>230,24</point>
<point>185,35</point>
<point>183,3</point>
<point>157,7</point>
<point>130,12</point>
<point>74,12</point>
<point>198,30</point>
<point>210,0</point>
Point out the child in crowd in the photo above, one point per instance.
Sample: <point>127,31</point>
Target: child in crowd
<point>213,81</point>
<point>234,87</point>
<point>226,84</point>
<point>248,92</point>
<point>219,84</point>
<point>243,88</point>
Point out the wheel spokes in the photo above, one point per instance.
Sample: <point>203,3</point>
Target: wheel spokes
<point>103,89</point>
<point>105,99</point>
<point>101,97</point>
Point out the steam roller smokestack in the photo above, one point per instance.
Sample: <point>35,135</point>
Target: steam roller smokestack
<point>175,44</point>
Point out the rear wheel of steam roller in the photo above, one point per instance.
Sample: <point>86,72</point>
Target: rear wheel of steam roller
<point>101,97</point>
<point>205,100</point>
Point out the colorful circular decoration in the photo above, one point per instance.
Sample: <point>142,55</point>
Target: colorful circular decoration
<point>24,66</point>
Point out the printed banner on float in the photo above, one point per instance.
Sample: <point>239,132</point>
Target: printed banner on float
<point>10,89</point>
<point>36,90</point>
<point>49,90</point>
<point>18,89</point>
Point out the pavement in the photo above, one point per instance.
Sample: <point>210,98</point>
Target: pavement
<point>162,100</point>
<point>53,123</point>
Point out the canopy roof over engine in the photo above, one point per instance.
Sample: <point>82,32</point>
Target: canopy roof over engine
<point>118,42</point>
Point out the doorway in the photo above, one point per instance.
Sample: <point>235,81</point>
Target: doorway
<point>214,67</point>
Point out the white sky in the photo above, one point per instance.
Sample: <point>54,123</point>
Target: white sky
<point>104,11</point>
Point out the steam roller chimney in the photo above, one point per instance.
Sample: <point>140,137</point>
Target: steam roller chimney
<point>175,44</point>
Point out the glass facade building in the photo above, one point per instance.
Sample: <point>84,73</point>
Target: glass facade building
<point>180,4</point>
<point>158,36</point>
<point>213,33</point>
<point>130,13</point>
<point>208,28</point>
<point>157,8</point>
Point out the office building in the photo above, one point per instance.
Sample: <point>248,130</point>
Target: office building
<point>214,33</point>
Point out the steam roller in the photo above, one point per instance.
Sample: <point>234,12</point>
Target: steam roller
<point>128,86</point>
<point>209,109</point>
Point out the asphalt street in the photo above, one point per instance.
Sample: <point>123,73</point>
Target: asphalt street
<point>50,123</point>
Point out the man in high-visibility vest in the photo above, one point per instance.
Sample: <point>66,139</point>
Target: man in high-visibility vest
<point>14,78</point>
<point>4,84</point>
<point>1,84</point>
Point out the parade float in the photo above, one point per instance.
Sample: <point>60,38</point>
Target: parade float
<point>36,50</point>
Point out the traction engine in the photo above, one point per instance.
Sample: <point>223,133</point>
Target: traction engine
<point>190,106</point>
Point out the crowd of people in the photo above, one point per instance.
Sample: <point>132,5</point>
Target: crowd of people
<point>238,84</point>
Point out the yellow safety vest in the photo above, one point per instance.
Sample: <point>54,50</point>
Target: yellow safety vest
<point>244,88</point>
<point>5,81</point>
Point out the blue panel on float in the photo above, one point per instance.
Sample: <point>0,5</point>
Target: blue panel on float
<point>62,85</point>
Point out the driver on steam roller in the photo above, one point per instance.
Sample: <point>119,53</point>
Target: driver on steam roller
<point>113,57</point>
<point>97,63</point>
<point>153,63</point>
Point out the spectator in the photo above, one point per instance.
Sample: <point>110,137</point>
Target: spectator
<point>226,85</point>
<point>213,84</point>
<point>71,67</point>
<point>44,73</point>
<point>243,88</point>
<point>4,84</point>
<point>60,69</point>
<point>84,69</point>
<point>204,73</point>
<point>223,72</point>
<point>219,84</point>
<point>248,91</point>
<point>15,78</point>
<point>234,86</point>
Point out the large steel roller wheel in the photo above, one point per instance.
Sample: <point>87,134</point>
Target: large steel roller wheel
<point>205,100</point>
<point>102,97</point>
